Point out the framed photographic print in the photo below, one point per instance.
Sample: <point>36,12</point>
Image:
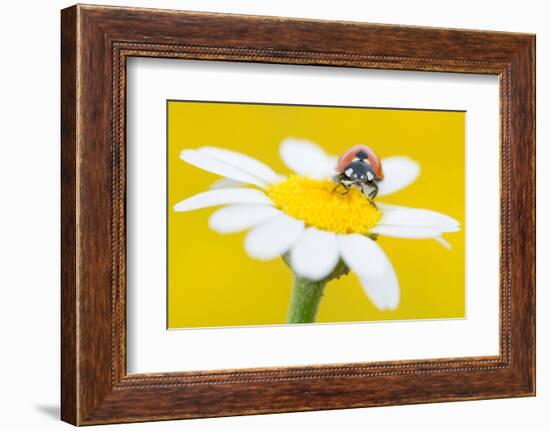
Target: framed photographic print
<point>264,214</point>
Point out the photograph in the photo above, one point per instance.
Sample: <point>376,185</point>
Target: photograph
<point>286,214</point>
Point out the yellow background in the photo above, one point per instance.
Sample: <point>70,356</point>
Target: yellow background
<point>212,282</point>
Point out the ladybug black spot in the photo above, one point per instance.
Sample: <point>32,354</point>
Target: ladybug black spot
<point>361,155</point>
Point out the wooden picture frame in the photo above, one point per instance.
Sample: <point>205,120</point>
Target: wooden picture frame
<point>96,41</point>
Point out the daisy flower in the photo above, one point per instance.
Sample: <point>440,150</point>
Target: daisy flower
<point>321,233</point>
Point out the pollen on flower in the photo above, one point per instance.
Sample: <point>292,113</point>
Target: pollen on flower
<point>314,202</point>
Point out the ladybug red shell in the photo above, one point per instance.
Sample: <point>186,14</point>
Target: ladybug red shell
<point>351,154</point>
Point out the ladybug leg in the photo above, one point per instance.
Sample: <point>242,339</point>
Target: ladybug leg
<point>336,187</point>
<point>345,186</point>
<point>372,194</point>
<point>374,190</point>
<point>339,183</point>
<point>371,201</point>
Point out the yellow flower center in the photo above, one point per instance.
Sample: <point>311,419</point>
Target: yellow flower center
<point>315,202</point>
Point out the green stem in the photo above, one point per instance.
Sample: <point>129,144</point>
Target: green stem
<point>307,294</point>
<point>306,297</point>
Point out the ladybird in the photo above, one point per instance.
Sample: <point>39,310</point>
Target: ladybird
<point>359,166</point>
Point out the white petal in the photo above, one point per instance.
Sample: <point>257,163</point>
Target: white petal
<point>307,158</point>
<point>243,162</point>
<point>406,231</point>
<point>386,208</point>
<point>226,183</point>
<point>222,197</point>
<point>208,163</point>
<point>273,238</point>
<point>399,172</point>
<point>363,255</point>
<point>415,217</point>
<point>383,290</point>
<point>315,254</point>
<point>443,242</point>
<point>237,218</point>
